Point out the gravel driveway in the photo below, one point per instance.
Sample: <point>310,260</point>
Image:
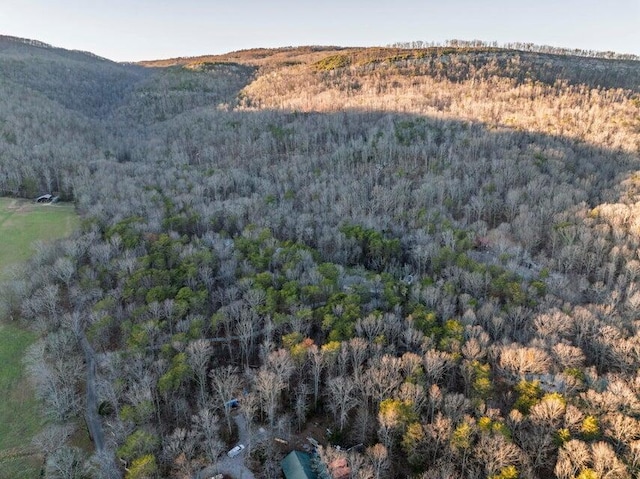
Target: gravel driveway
<point>234,466</point>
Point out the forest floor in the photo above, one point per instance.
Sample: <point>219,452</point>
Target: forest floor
<point>21,224</point>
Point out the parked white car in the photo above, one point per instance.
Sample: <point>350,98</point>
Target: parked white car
<point>236,450</point>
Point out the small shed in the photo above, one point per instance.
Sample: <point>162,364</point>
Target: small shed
<point>297,465</point>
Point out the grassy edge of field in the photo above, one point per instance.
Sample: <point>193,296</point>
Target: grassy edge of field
<point>22,223</point>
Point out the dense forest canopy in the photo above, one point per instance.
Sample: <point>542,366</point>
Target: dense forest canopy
<point>432,252</point>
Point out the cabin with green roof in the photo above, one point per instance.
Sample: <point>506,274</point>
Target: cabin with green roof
<point>297,465</point>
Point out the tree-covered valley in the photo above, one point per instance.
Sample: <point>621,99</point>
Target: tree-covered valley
<point>429,255</point>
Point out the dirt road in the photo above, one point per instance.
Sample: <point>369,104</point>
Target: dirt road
<point>235,466</point>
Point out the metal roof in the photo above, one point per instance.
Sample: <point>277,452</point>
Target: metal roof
<point>297,465</point>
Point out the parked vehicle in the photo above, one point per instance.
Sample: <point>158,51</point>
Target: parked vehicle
<point>236,450</point>
<point>232,404</point>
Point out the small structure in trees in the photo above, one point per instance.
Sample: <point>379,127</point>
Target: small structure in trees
<point>48,198</point>
<point>232,404</point>
<point>297,465</point>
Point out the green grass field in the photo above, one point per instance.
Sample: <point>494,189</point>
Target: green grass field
<point>22,223</point>
<point>20,418</point>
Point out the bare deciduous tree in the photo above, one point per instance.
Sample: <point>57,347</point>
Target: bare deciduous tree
<point>198,354</point>
<point>206,423</point>
<point>341,399</point>
<point>225,383</point>
<point>269,386</point>
<point>379,458</point>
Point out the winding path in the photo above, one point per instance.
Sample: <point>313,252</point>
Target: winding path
<point>92,417</point>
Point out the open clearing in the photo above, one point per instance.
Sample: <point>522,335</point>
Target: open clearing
<point>20,418</point>
<point>21,224</point>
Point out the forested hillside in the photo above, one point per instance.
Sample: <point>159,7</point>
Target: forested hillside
<point>431,253</point>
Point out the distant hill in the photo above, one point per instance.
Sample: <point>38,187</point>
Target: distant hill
<point>253,56</point>
<point>61,110</point>
<point>518,64</point>
<point>77,80</point>
<point>20,46</point>
<point>60,105</point>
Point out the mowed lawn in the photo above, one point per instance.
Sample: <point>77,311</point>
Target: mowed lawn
<point>22,223</point>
